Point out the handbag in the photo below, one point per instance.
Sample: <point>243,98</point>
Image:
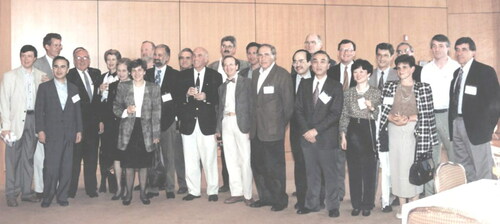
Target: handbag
<point>156,174</point>
<point>421,171</point>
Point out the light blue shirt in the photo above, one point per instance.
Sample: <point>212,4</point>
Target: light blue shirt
<point>62,92</point>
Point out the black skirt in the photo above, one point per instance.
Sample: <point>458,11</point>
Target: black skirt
<point>135,155</point>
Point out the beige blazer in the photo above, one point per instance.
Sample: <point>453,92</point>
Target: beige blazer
<point>13,99</point>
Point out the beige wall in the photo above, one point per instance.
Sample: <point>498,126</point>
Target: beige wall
<point>123,25</point>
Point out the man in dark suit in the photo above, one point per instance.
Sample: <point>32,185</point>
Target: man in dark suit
<point>273,94</point>
<point>58,118</point>
<point>197,99</point>
<point>87,81</point>
<point>253,60</point>
<point>170,140</point>
<point>52,45</point>
<point>406,48</point>
<point>233,124</point>
<point>318,107</point>
<point>342,73</point>
<point>301,64</point>
<point>473,112</point>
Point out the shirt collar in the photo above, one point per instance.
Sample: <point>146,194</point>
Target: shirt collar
<point>261,70</point>
<point>305,76</point>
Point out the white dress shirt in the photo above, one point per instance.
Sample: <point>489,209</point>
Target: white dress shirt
<point>440,80</point>
<point>29,85</point>
<point>138,98</point>
<point>230,105</point>
<point>386,74</point>
<point>202,77</point>
<point>162,73</point>
<point>263,75</point>
<point>319,83</point>
<point>466,69</point>
<point>342,69</point>
<point>81,73</point>
<point>299,78</point>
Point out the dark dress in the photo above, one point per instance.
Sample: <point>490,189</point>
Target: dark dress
<point>109,138</point>
<point>135,155</point>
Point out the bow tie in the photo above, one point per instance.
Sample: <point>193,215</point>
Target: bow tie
<point>230,80</point>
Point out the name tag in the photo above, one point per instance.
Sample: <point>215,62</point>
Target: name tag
<point>166,97</point>
<point>361,103</point>
<point>471,90</point>
<point>268,89</point>
<point>388,100</point>
<point>324,98</point>
<point>75,98</point>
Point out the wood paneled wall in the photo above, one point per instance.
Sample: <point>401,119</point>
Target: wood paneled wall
<point>123,25</point>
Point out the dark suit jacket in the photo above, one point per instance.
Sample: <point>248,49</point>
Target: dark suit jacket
<point>89,107</point>
<point>111,121</point>
<point>243,104</point>
<point>150,114</point>
<point>244,72</point>
<point>323,117</point>
<point>334,72</point>
<point>190,109</point>
<point>480,111</point>
<point>168,108</point>
<point>58,124</point>
<point>272,111</point>
<point>43,65</point>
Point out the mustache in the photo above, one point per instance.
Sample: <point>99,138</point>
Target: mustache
<point>226,51</point>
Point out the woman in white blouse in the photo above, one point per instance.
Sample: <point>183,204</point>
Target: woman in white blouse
<point>138,103</point>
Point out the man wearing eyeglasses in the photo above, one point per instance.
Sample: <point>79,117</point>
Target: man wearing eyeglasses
<point>86,79</point>
<point>342,73</point>
<point>406,48</point>
<point>227,48</point>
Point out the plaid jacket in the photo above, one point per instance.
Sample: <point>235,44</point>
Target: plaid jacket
<point>425,129</point>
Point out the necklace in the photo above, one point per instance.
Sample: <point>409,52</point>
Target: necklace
<point>362,91</point>
<point>405,94</point>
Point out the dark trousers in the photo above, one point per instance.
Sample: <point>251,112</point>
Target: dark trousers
<point>268,166</point>
<point>108,142</point>
<point>86,150</point>
<point>362,163</point>
<point>57,168</point>
<point>299,169</point>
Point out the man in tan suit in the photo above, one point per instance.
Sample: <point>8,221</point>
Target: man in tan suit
<point>273,94</point>
<point>17,105</point>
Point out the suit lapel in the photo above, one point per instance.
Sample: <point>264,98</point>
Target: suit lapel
<point>53,90</point>
<point>268,79</point>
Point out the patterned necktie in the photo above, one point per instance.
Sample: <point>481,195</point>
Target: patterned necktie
<point>316,94</point>
<point>197,84</point>
<point>87,85</point>
<point>381,81</point>
<point>456,94</point>
<point>158,77</point>
<point>345,84</point>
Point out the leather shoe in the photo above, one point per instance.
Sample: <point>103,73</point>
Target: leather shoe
<point>223,189</point>
<point>303,211</point>
<point>12,202</point>
<point>127,201</point>
<point>395,202</point>
<point>182,190</point>
<point>145,201</point>
<point>170,195</point>
<point>334,213</point>
<point>93,195</point>
<point>233,200</point>
<point>152,194</point>
<point>137,188</point>
<point>387,209</point>
<point>366,212</point>
<point>248,202</point>
<point>259,204</point>
<point>213,197</point>
<point>32,198</point>
<point>189,197</point>
<point>45,204</point>
<point>277,208</point>
<point>355,212</point>
<point>63,203</point>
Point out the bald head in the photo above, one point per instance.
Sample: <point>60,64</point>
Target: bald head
<point>200,58</point>
<point>313,43</point>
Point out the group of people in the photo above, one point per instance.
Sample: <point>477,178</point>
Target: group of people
<point>143,110</point>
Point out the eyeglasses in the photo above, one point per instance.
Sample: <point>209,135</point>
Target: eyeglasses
<point>300,61</point>
<point>346,50</point>
<point>405,51</point>
<point>227,47</point>
<point>85,58</point>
